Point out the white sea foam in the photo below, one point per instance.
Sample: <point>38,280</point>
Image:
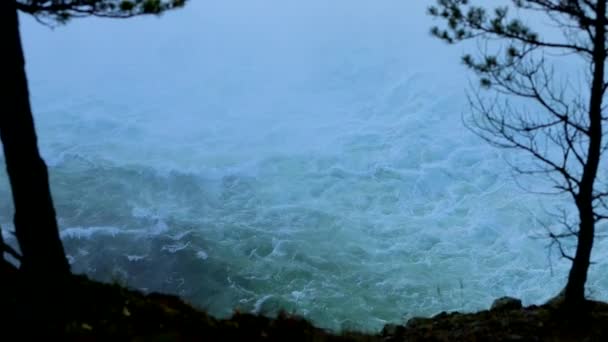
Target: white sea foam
<point>135,257</point>
<point>88,232</point>
<point>202,255</point>
<point>175,247</point>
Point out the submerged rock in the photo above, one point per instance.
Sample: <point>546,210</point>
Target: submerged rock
<point>506,303</point>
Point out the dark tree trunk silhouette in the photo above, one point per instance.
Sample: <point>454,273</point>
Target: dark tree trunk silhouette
<point>35,223</point>
<point>42,284</point>
<point>575,289</point>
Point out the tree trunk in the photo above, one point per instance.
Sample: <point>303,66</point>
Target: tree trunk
<point>575,289</point>
<point>35,223</point>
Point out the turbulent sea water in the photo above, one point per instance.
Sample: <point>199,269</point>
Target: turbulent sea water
<point>259,155</point>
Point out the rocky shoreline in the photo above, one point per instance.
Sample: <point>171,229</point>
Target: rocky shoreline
<point>96,311</point>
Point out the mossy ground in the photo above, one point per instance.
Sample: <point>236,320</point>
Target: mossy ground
<point>93,311</point>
